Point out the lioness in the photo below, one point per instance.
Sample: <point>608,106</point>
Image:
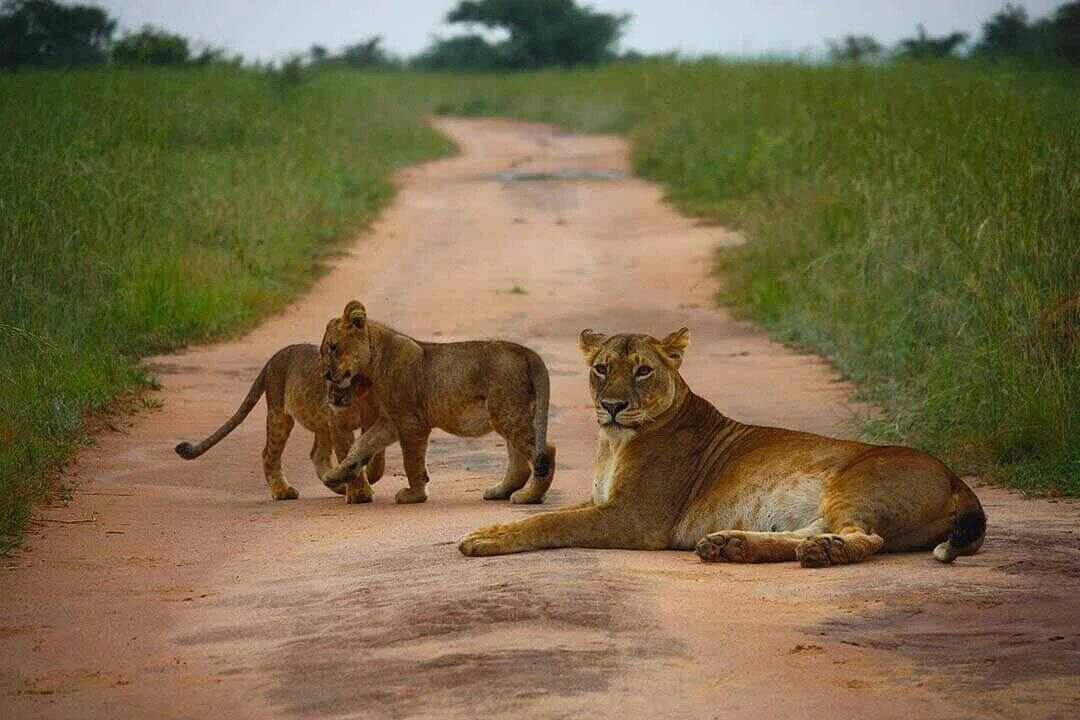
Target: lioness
<point>295,390</point>
<point>465,388</point>
<point>673,472</point>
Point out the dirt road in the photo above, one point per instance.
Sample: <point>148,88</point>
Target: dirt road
<point>188,593</point>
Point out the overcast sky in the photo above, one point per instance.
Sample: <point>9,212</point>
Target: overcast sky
<point>272,29</point>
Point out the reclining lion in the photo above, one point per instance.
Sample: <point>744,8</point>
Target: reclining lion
<point>673,472</point>
<point>467,389</point>
<point>292,381</point>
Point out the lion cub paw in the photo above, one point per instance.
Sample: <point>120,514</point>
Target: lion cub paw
<point>723,546</point>
<point>358,495</point>
<point>286,492</point>
<point>496,492</point>
<point>527,496</point>
<point>820,551</point>
<point>408,496</point>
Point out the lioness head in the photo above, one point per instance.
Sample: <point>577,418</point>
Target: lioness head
<point>346,352</point>
<point>634,379</point>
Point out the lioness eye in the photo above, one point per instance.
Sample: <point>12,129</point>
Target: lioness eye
<point>643,371</point>
<point>600,369</point>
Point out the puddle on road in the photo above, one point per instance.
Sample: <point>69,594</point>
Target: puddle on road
<point>568,174</point>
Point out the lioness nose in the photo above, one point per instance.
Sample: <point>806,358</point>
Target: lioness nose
<point>614,407</point>
<point>328,376</point>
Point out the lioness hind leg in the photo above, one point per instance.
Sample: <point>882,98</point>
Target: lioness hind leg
<point>278,427</point>
<point>850,545</point>
<point>741,546</point>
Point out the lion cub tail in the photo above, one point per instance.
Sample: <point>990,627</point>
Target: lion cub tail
<point>190,451</point>
<point>543,463</point>
<point>969,526</point>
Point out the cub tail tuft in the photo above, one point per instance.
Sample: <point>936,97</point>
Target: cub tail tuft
<point>187,451</point>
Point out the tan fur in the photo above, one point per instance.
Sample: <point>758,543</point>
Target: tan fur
<point>673,472</point>
<point>464,388</point>
<point>292,381</point>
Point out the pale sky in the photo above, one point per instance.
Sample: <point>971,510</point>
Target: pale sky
<point>273,29</point>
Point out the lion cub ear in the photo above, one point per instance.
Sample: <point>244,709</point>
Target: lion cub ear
<point>355,314</point>
<point>590,343</point>
<point>673,347</point>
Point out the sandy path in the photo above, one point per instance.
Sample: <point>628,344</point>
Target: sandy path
<point>192,595</point>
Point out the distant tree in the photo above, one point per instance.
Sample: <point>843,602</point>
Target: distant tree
<point>545,32</point>
<point>151,46</point>
<point>318,54</point>
<point>855,48</point>
<point>1006,33</point>
<point>464,52</point>
<point>924,46</point>
<point>1061,33</point>
<point>366,53</point>
<point>46,33</point>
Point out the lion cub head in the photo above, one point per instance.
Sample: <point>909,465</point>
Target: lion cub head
<point>346,353</point>
<point>634,379</point>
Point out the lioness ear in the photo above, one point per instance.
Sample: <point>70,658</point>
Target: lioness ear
<point>674,345</point>
<point>355,313</point>
<point>590,343</point>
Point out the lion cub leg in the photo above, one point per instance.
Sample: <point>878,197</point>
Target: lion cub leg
<point>742,546</point>
<point>278,427</point>
<point>850,545</point>
<point>517,474</point>
<point>414,455</point>
<point>356,491</point>
<point>321,450</point>
<point>537,487</point>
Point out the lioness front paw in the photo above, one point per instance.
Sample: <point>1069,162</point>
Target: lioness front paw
<point>723,546</point>
<point>820,551</point>
<point>358,494</point>
<point>481,543</point>
<point>286,492</point>
<point>408,496</point>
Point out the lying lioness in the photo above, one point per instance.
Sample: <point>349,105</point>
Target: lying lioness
<point>673,472</point>
<point>295,390</point>
<point>465,388</point>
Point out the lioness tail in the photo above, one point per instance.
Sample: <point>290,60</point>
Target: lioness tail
<point>968,530</point>
<point>189,451</point>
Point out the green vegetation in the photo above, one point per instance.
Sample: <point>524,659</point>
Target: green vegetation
<point>140,210</point>
<point>919,224</point>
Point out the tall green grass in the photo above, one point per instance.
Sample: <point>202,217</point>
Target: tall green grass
<point>140,210</point>
<point>918,224</point>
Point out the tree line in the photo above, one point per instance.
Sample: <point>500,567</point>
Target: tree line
<point>535,34</point>
<point>1008,34</point>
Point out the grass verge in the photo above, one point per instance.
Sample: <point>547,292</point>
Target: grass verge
<point>140,210</point>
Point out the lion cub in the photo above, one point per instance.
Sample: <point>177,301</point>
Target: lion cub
<point>295,390</point>
<point>467,389</point>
